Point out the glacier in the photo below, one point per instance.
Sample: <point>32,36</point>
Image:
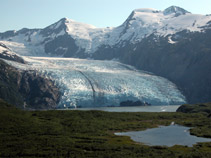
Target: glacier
<point>95,83</point>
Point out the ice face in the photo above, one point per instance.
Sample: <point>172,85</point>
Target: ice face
<point>93,83</point>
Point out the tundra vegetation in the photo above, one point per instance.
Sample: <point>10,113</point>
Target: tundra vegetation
<point>69,133</point>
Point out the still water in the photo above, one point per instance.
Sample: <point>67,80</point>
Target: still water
<point>165,136</point>
<point>170,108</point>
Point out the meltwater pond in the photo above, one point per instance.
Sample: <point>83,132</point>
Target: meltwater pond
<point>165,136</point>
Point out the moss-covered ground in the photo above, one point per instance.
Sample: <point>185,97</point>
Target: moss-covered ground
<point>87,134</point>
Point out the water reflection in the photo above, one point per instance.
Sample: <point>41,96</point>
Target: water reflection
<point>165,136</point>
<point>170,108</point>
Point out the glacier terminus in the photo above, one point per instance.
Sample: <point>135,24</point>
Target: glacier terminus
<point>95,83</point>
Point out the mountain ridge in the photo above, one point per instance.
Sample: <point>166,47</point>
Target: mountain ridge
<point>175,10</point>
<point>175,46</point>
<point>87,38</point>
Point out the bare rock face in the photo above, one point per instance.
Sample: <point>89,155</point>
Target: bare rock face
<point>38,91</point>
<point>27,89</point>
<point>8,54</point>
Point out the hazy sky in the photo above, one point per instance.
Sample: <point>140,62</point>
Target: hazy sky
<point>16,14</point>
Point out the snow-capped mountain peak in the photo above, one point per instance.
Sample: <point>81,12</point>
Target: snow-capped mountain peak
<point>146,10</point>
<point>74,27</point>
<point>175,10</point>
<point>70,38</point>
<point>69,26</point>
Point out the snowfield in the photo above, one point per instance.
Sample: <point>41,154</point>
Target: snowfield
<point>140,24</point>
<point>93,83</point>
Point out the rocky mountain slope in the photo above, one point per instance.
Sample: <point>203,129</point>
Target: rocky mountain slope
<point>173,43</point>
<point>7,53</point>
<point>187,63</point>
<point>27,89</point>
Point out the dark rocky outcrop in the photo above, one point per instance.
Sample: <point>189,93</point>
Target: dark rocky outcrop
<point>27,89</point>
<point>64,46</point>
<point>134,103</point>
<point>4,55</point>
<point>8,54</point>
<point>38,91</point>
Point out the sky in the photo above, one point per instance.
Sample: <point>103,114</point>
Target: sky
<point>18,14</point>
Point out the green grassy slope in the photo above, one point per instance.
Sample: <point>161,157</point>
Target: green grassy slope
<point>195,108</point>
<point>90,134</point>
